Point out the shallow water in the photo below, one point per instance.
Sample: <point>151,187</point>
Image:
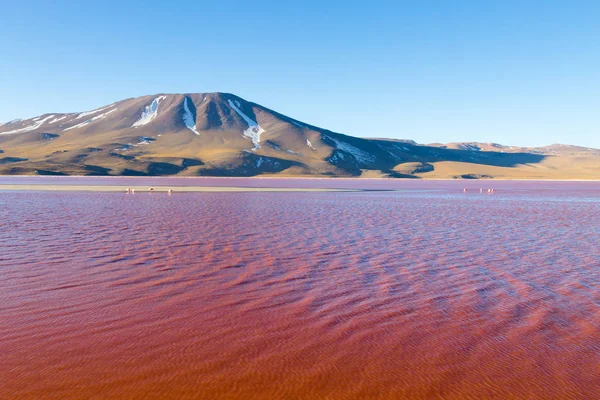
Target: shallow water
<point>417,293</point>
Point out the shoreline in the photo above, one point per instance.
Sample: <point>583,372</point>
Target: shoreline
<point>295,177</point>
<point>162,189</point>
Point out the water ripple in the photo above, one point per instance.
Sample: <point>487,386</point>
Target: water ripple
<point>304,295</point>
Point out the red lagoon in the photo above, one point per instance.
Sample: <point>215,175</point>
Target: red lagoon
<point>425,292</point>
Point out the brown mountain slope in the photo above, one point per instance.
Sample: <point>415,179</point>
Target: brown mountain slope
<point>224,135</point>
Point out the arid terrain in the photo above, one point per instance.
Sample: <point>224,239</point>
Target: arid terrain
<point>220,134</point>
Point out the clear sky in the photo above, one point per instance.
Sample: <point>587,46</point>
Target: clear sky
<point>515,72</point>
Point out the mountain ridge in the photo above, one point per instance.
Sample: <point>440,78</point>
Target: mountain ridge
<point>222,134</point>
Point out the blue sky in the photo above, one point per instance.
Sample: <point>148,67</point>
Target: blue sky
<point>513,72</point>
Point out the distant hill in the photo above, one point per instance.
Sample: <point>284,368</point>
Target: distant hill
<point>220,134</point>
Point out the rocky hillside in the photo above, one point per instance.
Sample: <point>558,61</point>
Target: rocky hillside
<point>220,134</point>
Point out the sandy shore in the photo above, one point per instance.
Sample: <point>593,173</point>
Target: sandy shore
<point>175,189</point>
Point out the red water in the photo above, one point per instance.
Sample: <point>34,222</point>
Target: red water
<point>423,293</point>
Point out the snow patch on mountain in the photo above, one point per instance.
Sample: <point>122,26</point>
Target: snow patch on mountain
<point>359,154</point>
<point>254,130</point>
<point>259,161</point>
<point>126,147</point>
<point>29,128</point>
<point>188,117</point>
<point>96,111</point>
<point>145,140</point>
<point>337,157</point>
<point>89,121</point>
<point>150,112</point>
<point>470,147</point>
<point>392,154</point>
<point>400,147</point>
<point>57,119</point>
<point>49,136</point>
<point>309,144</point>
<point>14,121</point>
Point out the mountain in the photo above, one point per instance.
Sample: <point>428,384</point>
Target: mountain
<point>220,134</point>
